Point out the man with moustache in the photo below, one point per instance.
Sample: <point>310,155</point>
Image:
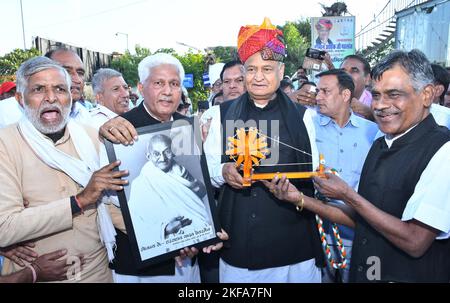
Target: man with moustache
<point>269,242</point>
<point>75,67</point>
<point>359,69</point>
<point>111,91</point>
<point>160,77</point>
<point>53,163</point>
<point>94,117</point>
<point>232,77</point>
<point>344,139</point>
<point>401,212</point>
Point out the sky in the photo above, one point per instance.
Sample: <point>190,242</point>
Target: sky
<point>105,25</point>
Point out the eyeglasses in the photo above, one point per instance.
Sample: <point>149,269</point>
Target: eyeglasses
<point>167,153</point>
<point>217,84</point>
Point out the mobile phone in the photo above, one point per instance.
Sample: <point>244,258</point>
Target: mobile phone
<point>315,53</point>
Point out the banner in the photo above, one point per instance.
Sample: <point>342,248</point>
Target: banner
<point>188,81</point>
<point>336,35</point>
<point>206,82</point>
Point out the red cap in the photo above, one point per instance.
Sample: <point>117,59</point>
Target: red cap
<point>6,87</point>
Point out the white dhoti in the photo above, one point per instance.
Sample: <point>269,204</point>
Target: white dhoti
<point>302,272</point>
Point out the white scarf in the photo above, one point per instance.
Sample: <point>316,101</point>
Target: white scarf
<point>156,198</point>
<point>173,192</point>
<point>78,170</point>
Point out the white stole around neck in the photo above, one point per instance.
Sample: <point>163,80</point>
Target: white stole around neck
<point>78,170</point>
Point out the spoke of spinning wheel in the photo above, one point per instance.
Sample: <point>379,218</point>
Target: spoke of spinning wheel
<point>278,141</point>
<point>232,140</point>
<point>240,160</point>
<point>286,164</point>
<point>252,137</point>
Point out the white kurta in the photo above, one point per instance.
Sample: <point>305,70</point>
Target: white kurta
<point>430,202</point>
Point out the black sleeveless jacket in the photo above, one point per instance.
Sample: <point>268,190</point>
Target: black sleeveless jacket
<point>388,179</point>
<point>264,231</point>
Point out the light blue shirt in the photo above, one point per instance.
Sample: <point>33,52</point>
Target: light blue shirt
<point>345,149</point>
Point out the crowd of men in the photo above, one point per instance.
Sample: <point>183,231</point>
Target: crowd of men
<point>384,131</point>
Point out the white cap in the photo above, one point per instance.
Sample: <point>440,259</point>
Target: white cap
<point>214,72</point>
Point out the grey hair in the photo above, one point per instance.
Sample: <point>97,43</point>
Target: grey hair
<point>415,63</point>
<point>158,138</point>
<point>149,62</point>
<point>35,65</point>
<point>102,75</point>
<point>50,54</point>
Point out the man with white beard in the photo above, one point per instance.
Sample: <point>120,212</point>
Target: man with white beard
<point>11,111</point>
<point>53,163</point>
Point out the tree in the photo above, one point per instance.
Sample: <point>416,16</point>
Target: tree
<point>127,64</point>
<point>10,63</point>
<point>304,28</point>
<point>296,46</point>
<point>225,53</point>
<point>193,64</point>
<point>375,56</point>
<point>336,9</point>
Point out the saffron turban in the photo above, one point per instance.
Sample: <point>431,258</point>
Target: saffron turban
<point>264,38</point>
<point>324,24</point>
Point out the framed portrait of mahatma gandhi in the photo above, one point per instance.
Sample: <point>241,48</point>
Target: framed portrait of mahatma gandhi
<point>168,203</point>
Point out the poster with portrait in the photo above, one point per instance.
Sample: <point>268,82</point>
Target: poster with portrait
<point>336,35</point>
<point>168,203</point>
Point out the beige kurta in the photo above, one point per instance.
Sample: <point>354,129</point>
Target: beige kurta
<point>48,218</point>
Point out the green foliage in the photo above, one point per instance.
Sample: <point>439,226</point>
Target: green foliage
<point>296,48</point>
<point>127,64</point>
<point>304,28</point>
<point>380,53</point>
<point>128,67</point>
<point>193,64</point>
<point>9,63</point>
<point>297,36</point>
<point>225,53</point>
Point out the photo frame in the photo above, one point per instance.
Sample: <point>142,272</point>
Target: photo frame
<point>168,203</point>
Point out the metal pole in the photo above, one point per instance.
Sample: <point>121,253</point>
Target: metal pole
<point>23,26</point>
<point>190,46</point>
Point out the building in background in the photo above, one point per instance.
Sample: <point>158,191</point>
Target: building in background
<point>426,26</point>
<point>92,60</point>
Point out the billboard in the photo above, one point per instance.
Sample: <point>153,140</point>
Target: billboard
<point>188,80</point>
<point>206,82</point>
<point>336,35</point>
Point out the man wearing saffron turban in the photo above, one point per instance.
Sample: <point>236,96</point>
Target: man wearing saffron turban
<point>270,241</point>
<point>323,27</point>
